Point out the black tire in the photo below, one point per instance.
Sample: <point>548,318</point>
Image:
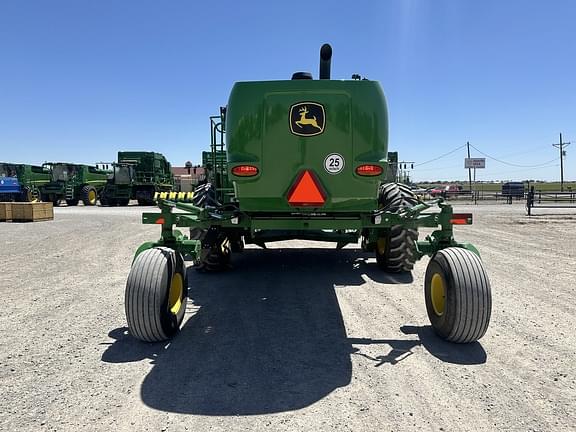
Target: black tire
<point>104,201</point>
<point>89,195</point>
<point>216,257</point>
<point>156,294</point>
<point>30,195</point>
<point>396,250</point>
<point>123,202</point>
<point>72,202</point>
<point>237,245</point>
<point>458,295</point>
<point>205,196</point>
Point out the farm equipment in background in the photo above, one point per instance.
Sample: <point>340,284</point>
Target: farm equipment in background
<point>73,183</point>
<point>21,182</point>
<point>152,173</point>
<point>118,189</point>
<point>305,159</point>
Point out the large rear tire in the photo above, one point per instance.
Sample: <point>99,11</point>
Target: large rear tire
<point>458,295</point>
<point>89,195</point>
<point>216,247</point>
<point>205,196</point>
<point>216,257</point>
<point>396,249</point>
<point>156,293</point>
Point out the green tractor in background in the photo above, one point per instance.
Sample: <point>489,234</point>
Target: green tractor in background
<point>305,159</point>
<point>21,182</point>
<point>152,174</point>
<point>73,183</point>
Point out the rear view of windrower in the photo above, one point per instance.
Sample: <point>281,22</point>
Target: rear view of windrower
<point>305,159</point>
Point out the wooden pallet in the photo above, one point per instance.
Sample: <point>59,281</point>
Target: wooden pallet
<point>32,212</point>
<point>5,211</point>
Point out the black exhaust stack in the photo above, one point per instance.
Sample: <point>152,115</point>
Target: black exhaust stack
<point>325,60</point>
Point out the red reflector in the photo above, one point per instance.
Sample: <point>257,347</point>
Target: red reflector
<point>245,170</point>
<point>160,221</point>
<point>306,191</point>
<point>369,170</point>
<point>461,219</point>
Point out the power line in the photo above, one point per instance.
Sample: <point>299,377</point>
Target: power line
<point>512,164</point>
<point>440,157</point>
<point>490,173</point>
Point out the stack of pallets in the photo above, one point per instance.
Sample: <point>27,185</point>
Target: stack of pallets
<point>26,212</point>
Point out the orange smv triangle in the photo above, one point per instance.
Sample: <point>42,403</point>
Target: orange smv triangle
<point>306,192</point>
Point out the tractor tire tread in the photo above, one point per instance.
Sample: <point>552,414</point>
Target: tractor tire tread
<point>400,255</point>
<point>146,291</point>
<point>472,292</point>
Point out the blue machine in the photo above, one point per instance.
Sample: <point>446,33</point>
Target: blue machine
<point>9,186</point>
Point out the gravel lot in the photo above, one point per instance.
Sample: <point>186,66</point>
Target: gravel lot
<point>297,337</point>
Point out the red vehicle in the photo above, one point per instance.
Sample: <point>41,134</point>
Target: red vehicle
<point>444,191</point>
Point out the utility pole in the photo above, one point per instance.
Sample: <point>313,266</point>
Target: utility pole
<point>562,154</point>
<point>469,169</point>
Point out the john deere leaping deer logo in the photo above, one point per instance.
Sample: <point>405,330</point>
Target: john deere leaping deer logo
<point>307,119</point>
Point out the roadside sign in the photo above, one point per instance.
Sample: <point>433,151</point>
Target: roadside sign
<point>475,163</point>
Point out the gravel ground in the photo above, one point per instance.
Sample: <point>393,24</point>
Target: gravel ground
<point>297,337</point>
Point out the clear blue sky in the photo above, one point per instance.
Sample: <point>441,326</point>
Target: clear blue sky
<point>80,80</point>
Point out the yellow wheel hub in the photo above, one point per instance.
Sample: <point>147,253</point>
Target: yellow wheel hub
<point>92,197</point>
<point>438,294</point>
<point>176,293</point>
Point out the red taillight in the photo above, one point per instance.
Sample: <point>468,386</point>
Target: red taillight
<point>160,221</point>
<point>369,170</point>
<point>245,170</point>
<point>461,219</point>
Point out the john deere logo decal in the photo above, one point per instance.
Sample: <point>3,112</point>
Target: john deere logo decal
<point>307,119</point>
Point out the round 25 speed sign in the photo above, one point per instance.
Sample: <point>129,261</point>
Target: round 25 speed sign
<point>334,163</point>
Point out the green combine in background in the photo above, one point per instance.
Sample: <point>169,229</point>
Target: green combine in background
<point>305,159</point>
<point>73,183</point>
<point>21,182</point>
<point>152,173</point>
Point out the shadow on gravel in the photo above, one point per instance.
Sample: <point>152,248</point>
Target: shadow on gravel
<point>266,337</point>
<point>127,349</point>
<point>400,349</point>
<point>464,354</point>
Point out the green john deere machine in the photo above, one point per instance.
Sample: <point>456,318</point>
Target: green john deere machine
<point>118,189</point>
<point>21,182</point>
<point>73,183</point>
<point>153,173</point>
<point>305,159</point>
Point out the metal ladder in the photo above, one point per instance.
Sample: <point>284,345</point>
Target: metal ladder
<point>69,191</point>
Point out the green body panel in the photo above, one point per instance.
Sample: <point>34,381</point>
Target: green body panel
<point>68,180</point>
<point>258,132</point>
<point>30,177</point>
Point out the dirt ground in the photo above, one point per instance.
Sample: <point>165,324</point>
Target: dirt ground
<point>299,337</point>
